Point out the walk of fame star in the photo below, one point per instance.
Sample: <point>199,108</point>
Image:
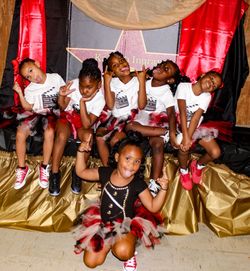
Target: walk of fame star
<point>132,45</point>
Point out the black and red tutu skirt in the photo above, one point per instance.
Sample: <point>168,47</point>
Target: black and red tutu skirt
<point>92,234</point>
<point>113,124</point>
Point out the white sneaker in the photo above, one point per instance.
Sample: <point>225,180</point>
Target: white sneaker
<point>166,137</point>
<point>130,265</point>
<point>21,177</point>
<point>44,176</point>
<point>154,187</point>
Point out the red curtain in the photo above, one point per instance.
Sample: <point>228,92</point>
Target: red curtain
<point>206,36</point>
<point>32,36</point>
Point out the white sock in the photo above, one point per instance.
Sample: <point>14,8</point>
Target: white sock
<point>200,166</point>
<point>184,171</point>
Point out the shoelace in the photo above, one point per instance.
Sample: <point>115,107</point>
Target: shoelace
<point>130,263</point>
<point>44,174</point>
<point>19,174</point>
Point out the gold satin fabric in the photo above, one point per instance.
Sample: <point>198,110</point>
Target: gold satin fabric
<point>137,14</point>
<point>222,202</point>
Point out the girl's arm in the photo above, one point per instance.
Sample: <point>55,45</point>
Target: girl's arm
<point>26,106</point>
<point>109,95</point>
<point>87,119</point>
<point>142,96</point>
<point>81,168</point>
<point>194,121</point>
<point>155,204</point>
<point>63,99</point>
<point>186,141</point>
<point>172,126</point>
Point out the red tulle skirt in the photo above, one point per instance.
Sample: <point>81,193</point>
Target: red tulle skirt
<point>113,124</point>
<point>92,234</point>
<point>73,119</point>
<point>153,119</point>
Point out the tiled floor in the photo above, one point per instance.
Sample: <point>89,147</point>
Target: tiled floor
<point>36,251</point>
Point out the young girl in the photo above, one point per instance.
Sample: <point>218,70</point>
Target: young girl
<point>115,224</point>
<point>192,101</point>
<point>124,94</point>
<point>39,103</point>
<point>82,103</point>
<point>157,119</point>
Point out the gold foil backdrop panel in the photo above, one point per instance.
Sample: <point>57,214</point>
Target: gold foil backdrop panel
<point>222,202</point>
<point>179,209</point>
<point>225,201</point>
<point>31,207</point>
<point>137,14</point>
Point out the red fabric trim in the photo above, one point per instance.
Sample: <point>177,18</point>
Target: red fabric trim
<point>32,37</point>
<point>206,35</point>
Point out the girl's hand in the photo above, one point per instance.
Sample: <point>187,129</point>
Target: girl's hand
<point>85,145</point>
<point>17,88</point>
<point>107,76</point>
<point>65,90</point>
<point>186,143</point>
<point>163,181</point>
<point>142,74</point>
<point>85,99</point>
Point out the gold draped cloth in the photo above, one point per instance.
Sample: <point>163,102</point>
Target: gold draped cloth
<point>222,202</point>
<point>137,14</point>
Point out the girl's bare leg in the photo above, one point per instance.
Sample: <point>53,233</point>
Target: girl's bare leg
<point>83,135</point>
<point>124,248</point>
<point>102,146</point>
<point>93,259</point>
<point>48,142</point>
<point>183,158</point>
<point>21,137</point>
<point>117,137</point>
<point>157,146</point>
<point>212,151</point>
<point>62,135</point>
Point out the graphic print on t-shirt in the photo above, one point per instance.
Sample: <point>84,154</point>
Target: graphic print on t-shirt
<point>151,104</point>
<point>121,100</point>
<point>49,98</point>
<point>190,111</point>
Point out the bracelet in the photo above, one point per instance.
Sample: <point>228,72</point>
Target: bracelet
<point>164,189</point>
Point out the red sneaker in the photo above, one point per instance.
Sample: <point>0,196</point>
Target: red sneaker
<point>186,181</point>
<point>21,177</point>
<point>44,176</point>
<point>130,265</point>
<point>196,173</point>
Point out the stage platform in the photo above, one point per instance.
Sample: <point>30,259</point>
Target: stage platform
<point>222,201</point>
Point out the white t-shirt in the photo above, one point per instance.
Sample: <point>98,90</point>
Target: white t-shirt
<point>158,100</point>
<point>44,95</point>
<point>94,106</point>
<point>193,102</point>
<point>126,96</point>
